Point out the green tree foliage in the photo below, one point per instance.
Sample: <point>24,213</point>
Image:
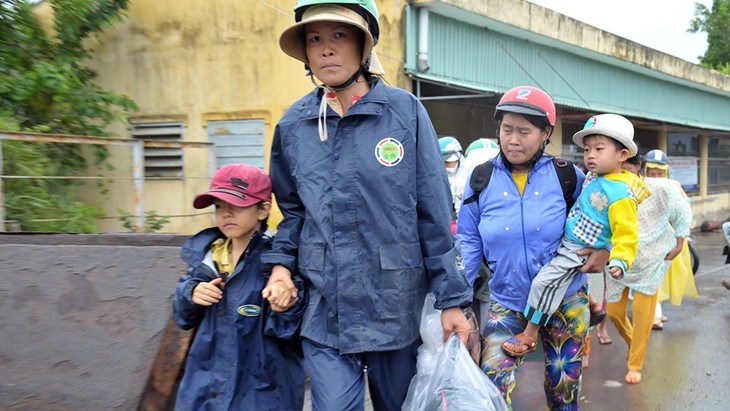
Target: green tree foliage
<point>152,221</point>
<point>716,23</point>
<point>45,87</point>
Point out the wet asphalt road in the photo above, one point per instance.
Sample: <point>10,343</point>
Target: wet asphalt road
<point>687,366</point>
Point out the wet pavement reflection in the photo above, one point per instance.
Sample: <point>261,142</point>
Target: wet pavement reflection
<point>687,365</point>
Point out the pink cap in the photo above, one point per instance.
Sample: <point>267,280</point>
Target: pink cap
<point>241,184</point>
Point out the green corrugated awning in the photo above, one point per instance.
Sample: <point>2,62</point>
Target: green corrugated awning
<point>486,55</point>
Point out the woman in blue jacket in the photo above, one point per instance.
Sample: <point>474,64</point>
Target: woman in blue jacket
<point>359,178</point>
<point>515,225</point>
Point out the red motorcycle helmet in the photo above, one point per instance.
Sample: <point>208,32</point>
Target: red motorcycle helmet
<point>527,100</point>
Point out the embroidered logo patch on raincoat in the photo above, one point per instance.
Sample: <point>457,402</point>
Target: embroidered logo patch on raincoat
<point>249,310</point>
<point>389,152</point>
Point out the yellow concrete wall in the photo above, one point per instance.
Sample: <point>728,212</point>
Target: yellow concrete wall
<point>709,207</point>
<point>198,61</point>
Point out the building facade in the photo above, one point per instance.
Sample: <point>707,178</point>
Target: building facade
<point>212,72</point>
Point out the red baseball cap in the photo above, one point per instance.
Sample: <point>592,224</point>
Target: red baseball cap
<point>240,184</point>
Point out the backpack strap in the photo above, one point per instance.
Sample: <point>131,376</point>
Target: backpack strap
<point>568,180</point>
<point>479,181</point>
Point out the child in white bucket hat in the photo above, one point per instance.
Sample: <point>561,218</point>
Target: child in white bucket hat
<point>605,214</point>
<point>366,203</point>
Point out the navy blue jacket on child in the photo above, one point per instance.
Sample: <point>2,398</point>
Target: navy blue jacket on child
<point>244,356</point>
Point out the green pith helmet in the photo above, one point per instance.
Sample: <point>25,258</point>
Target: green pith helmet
<point>362,14</point>
<point>481,144</point>
<point>366,8</point>
<point>480,151</point>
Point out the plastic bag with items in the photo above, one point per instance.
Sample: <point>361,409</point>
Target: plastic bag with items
<point>446,376</point>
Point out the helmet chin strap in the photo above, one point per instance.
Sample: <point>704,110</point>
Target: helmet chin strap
<point>529,163</point>
<point>352,80</point>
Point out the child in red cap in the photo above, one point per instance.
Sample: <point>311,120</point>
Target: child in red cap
<point>244,355</point>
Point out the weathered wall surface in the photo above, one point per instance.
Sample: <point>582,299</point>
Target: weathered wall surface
<point>82,317</point>
<point>194,62</point>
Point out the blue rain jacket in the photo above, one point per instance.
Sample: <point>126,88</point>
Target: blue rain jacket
<point>244,356</point>
<point>516,234</point>
<point>366,219</point>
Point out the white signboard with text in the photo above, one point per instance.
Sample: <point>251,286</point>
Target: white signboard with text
<point>684,170</point>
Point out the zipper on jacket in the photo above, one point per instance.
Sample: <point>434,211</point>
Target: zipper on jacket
<point>522,214</point>
<point>524,237</point>
<point>257,237</point>
<point>522,219</point>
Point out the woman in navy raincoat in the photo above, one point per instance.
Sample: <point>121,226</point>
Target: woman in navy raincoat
<point>360,181</point>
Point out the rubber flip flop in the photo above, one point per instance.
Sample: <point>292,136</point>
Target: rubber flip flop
<point>604,339</point>
<point>519,341</point>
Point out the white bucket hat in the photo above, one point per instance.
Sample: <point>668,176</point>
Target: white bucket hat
<point>609,125</point>
<point>292,39</point>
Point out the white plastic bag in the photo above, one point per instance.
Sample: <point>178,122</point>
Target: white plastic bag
<point>446,377</point>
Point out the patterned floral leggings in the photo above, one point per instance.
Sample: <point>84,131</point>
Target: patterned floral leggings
<point>563,341</point>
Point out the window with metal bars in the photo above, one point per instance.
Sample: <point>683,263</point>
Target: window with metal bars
<point>718,166</point>
<point>238,141</point>
<point>161,162</point>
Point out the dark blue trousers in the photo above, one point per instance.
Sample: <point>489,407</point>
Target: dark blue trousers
<point>338,381</point>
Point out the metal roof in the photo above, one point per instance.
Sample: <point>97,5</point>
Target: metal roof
<point>482,54</point>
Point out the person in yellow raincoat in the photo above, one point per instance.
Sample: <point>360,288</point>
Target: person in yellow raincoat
<point>679,280</point>
<point>664,220</point>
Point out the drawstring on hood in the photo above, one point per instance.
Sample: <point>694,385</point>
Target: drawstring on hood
<point>326,90</point>
<point>322,117</point>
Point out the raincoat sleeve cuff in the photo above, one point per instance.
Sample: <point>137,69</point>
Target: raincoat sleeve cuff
<point>448,280</point>
<point>187,290</point>
<point>187,314</point>
<point>269,260</point>
<point>286,325</point>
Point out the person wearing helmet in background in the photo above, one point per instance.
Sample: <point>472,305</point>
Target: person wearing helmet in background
<point>362,188</point>
<point>664,220</point>
<point>516,225</point>
<point>679,279</point>
<point>455,168</point>
<point>480,151</point>
<point>656,164</point>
